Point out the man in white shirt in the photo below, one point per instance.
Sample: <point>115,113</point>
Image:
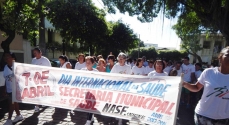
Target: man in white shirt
<point>41,61</point>
<point>189,76</point>
<point>150,67</point>
<point>178,68</point>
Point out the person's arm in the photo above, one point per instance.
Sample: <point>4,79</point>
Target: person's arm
<point>193,87</point>
<point>69,66</point>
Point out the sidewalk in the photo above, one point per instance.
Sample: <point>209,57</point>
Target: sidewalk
<point>57,116</point>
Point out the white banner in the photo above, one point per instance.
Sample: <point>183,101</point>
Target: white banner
<point>148,100</point>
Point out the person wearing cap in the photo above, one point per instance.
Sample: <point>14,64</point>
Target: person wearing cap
<point>145,63</point>
<point>8,75</point>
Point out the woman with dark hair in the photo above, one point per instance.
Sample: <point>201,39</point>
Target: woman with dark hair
<point>8,75</point>
<point>159,66</point>
<point>89,63</point>
<point>139,69</point>
<point>213,107</point>
<point>111,63</point>
<point>64,63</point>
<point>95,64</point>
<point>81,62</point>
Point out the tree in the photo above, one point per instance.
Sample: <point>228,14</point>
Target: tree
<point>150,53</point>
<point>121,38</point>
<point>17,17</point>
<point>79,21</point>
<point>173,55</point>
<point>213,14</point>
<point>188,28</point>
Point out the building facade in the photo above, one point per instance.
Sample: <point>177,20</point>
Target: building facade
<point>211,46</point>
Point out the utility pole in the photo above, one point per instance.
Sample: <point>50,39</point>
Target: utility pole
<point>139,46</point>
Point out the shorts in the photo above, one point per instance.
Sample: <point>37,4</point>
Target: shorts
<point>201,120</point>
<point>186,91</point>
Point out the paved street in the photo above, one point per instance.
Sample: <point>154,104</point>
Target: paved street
<point>52,116</point>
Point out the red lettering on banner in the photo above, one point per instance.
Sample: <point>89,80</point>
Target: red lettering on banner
<point>25,93</point>
<point>122,99</point>
<point>104,95</point>
<point>37,91</point>
<point>66,91</point>
<point>90,96</point>
<point>77,93</point>
<point>61,92</point>
<point>27,74</point>
<point>163,107</point>
<point>99,95</point>
<point>40,91</point>
<point>145,102</point>
<point>151,103</point>
<point>169,109</point>
<point>44,77</point>
<point>141,100</point>
<point>117,98</point>
<point>109,97</point>
<point>82,93</point>
<point>32,93</point>
<point>135,101</point>
<point>71,92</point>
<point>128,99</point>
<point>37,78</point>
<point>156,104</point>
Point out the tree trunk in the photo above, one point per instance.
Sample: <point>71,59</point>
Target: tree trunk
<point>42,44</point>
<point>199,59</point>
<point>6,47</point>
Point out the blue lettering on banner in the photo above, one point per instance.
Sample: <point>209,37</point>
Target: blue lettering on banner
<point>153,89</point>
<point>65,79</point>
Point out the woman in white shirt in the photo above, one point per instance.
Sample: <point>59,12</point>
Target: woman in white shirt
<point>64,63</point>
<point>89,63</point>
<point>81,62</point>
<point>159,66</point>
<point>121,68</point>
<point>150,67</point>
<point>213,107</point>
<point>8,75</point>
<point>139,69</point>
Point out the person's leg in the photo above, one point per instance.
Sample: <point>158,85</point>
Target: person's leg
<point>89,118</point>
<point>16,107</point>
<point>188,97</point>
<point>11,110</point>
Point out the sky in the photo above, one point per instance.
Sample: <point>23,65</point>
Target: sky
<point>153,32</point>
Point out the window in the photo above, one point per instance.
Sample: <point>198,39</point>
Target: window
<point>217,46</point>
<point>207,45</point>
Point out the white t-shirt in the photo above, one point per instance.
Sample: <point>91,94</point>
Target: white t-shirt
<point>64,65</point>
<point>178,71</point>
<point>138,71</point>
<point>79,66</point>
<point>198,73</point>
<point>154,73</point>
<point>148,69</point>
<point>214,102</point>
<point>43,61</point>
<point>93,69</point>
<point>187,70</point>
<point>126,69</point>
<point>167,69</point>
<point>8,75</point>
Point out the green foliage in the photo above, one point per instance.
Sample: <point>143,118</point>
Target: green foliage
<point>211,14</point>
<point>171,54</point>
<point>19,16</point>
<point>79,21</point>
<point>151,53</point>
<point>121,39</point>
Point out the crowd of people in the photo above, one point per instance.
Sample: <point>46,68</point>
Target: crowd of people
<point>209,108</point>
